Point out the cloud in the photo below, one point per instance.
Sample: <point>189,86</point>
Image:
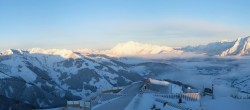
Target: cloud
<point>176,28</point>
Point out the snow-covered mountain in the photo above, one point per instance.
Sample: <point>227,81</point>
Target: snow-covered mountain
<point>43,78</point>
<point>133,48</point>
<point>47,78</point>
<point>239,47</point>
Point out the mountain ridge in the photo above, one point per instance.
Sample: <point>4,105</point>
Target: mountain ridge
<point>239,47</point>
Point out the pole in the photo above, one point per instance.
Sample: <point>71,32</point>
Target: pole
<point>171,88</point>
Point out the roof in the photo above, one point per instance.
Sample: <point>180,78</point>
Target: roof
<point>158,82</point>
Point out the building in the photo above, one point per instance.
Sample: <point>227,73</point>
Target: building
<point>157,86</point>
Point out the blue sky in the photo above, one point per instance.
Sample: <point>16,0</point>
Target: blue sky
<point>101,24</point>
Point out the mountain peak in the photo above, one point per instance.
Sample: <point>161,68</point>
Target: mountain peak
<point>238,47</point>
<point>136,48</point>
<point>11,51</point>
<point>61,52</point>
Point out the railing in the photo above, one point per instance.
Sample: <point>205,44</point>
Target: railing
<point>185,96</point>
<point>75,103</point>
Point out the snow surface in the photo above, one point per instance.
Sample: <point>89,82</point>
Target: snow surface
<point>122,102</point>
<point>136,48</point>
<point>158,82</point>
<point>225,103</point>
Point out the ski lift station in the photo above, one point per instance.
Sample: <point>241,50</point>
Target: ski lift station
<point>149,94</point>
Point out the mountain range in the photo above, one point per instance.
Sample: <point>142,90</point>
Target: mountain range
<point>239,47</point>
<point>40,78</point>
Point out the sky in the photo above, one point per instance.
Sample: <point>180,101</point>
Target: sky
<point>101,24</point>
